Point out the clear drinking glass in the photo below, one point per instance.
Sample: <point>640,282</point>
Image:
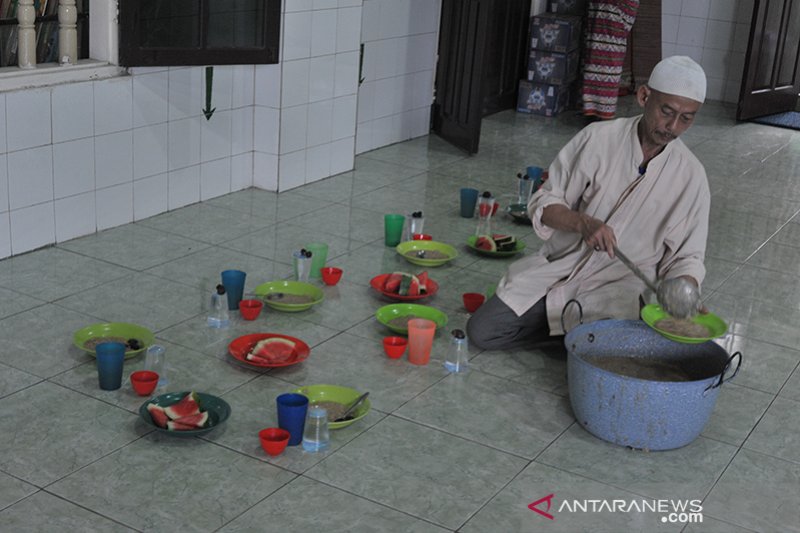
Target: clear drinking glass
<point>316,435</point>
<point>154,360</point>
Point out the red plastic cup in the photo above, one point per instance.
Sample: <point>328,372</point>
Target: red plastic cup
<point>495,208</point>
<point>473,300</point>
<point>144,382</point>
<point>273,440</point>
<point>422,237</point>
<point>394,347</point>
<point>420,340</point>
<point>331,275</point>
<point>250,309</point>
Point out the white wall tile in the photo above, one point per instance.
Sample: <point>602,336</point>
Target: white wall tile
<point>695,52</point>
<point>744,13</point>
<point>402,56</point>
<point>293,129</point>
<point>30,177</point>
<point>294,83</point>
<point>324,4</point>
<point>320,120</point>
<point>364,139</point>
<point>420,121</point>
<point>242,171</point>
<point>370,20</point>
<point>75,216</point>
<point>669,28</point>
<point>695,8</point>
<point>424,16</point>
<point>32,227</point>
<point>29,112</point>
<point>243,85</point>
<point>404,94</point>
<point>732,89</point>
<point>113,159</point>
<point>215,178</point>
<point>401,126</point>
<point>344,117</point>
<point>265,171</point>
<point>297,5</point>
<point>318,162</point>
<point>382,131</point>
<point>242,122</point>
<point>422,52</point>
<point>5,235</point>
<point>391,15</point>
<point>719,35</point>
<point>321,78</point>
<point>296,32</point>
<point>150,196</point>
<point>150,98</point>
<point>369,67</point>
<point>73,168</point>
<point>323,32</point>
<point>221,87</point>
<point>715,63</point>
<point>184,142</point>
<point>386,50</point>
<point>268,85</point>
<point>4,183</point>
<point>741,36</point>
<point>113,105</point>
<point>423,89</point>
<point>349,3</point>
<point>342,156</point>
<point>723,10</point>
<point>346,74</point>
<point>150,150</point>
<point>185,92</point>
<point>184,186</point>
<point>73,111</point>
<point>671,7</point>
<point>715,88</point>
<point>384,97</point>
<point>114,206</point>
<point>266,129</point>
<point>292,170</point>
<point>215,136</point>
<point>348,29</point>
<point>3,145</point>
<point>366,102</point>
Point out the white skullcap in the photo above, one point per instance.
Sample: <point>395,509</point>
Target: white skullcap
<point>681,76</point>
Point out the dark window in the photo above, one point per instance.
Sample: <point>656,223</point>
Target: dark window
<point>198,32</point>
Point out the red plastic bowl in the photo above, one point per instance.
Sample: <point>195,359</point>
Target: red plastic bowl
<point>395,347</point>
<point>473,300</point>
<point>144,382</point>
<point>379,281</point>
<point>250,309</point>
<point>273,440</point>
<point>331,275</point>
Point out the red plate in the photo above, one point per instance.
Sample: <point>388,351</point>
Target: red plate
<point>241,346</point>
<point>378,281</point>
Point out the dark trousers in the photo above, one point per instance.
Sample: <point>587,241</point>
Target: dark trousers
<point>495,326</point>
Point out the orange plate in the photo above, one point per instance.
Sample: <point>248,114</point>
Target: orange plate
<point>241,346</point>
<point>378,281</point>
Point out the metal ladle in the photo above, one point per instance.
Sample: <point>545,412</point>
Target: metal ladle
<point>677,296</point>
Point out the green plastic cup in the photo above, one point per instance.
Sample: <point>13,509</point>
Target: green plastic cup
<point>319,254</point>
<point>393,229</point>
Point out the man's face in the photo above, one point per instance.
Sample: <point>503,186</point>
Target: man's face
<point>666,116</point>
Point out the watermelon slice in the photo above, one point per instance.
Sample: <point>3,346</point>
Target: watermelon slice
<point>484,242</point>
<point>189,422</point>
<point>505,243</point>
<point>272,350</point>
<point>158,415</point>
<point>392,283</point>
<point>187,406</point>
<point>422,278</point>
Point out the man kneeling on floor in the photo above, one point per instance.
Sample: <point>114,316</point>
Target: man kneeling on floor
<point>629,182</point>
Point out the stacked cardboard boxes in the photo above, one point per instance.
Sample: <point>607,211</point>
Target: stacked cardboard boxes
<point>553,63</point>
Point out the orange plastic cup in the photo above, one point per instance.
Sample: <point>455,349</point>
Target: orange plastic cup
<point>420,340</point>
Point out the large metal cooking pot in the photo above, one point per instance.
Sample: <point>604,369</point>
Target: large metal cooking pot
<point>636,412</point>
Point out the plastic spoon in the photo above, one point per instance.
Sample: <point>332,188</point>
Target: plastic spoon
<point>352,407</point>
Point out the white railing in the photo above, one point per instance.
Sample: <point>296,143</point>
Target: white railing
<point>67,33</point>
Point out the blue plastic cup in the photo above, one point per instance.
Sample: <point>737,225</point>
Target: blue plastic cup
<point>110,359</point>
<point>469,197</point>
<point>233,280</point>
<point>292,408</point>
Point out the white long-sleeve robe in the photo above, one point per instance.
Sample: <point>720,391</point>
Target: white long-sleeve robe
<point>661,225</point>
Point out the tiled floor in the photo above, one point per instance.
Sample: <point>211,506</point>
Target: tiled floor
<point>437,452</point>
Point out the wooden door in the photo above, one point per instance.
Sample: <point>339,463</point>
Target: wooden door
<point>771,81</point>
<point>457,108</point>
<point>506,54</point>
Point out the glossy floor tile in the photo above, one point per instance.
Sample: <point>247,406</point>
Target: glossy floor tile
<point>437,452</point>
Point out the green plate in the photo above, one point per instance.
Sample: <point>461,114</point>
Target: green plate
<point>297,288</point>
<point>389,312</point>
<point>114,329</point>
<point>218,412</point>
<point>652,313</point>
<point>409,246</point>
<point>335,393</point>
<point>519,212</point>
<point>471,243</point>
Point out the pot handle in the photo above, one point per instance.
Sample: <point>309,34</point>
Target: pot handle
<point>563,312</point>
<point>724,370</point>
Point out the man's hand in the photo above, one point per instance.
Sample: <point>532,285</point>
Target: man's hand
<point>595,233</point>
<point>702,309</point>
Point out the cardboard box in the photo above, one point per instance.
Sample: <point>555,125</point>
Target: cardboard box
<point>567,7</point>
<point>553,68</point>
<point>542,99</point>
<point>554,32</point>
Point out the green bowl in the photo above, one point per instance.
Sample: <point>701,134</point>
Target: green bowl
<point>471,243</point>
<point>519,212</point>
<point>409,246</point>
<point>218,412</point>
<point>335,393</point>
<point>717,327</point>
<point>295,288</point>
<point>389,312</point>
<point>114,329</point>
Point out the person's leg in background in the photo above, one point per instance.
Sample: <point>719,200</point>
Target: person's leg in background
<point>495,326</point>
